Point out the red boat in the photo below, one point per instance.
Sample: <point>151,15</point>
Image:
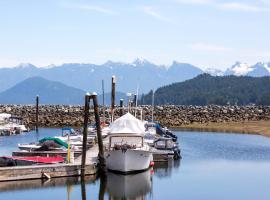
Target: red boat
<point>29,160</point>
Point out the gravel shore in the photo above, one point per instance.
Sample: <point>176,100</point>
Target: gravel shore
<point>168,115</point>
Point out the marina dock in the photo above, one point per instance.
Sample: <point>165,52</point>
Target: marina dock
<point>44,171</point>
<point>60,170</point>
<point>51,170</point>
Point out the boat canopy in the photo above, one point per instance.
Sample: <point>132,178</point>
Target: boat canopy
<point>127,124</point>
<point>56,140</point>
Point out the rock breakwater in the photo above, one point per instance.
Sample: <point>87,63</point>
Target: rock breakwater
<point>168,115</point>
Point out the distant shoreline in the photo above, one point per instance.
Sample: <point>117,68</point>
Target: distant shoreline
<point>240,119</point>
<point>245,127</point>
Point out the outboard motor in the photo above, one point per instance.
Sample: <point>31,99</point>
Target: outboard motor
<point>177,153</point>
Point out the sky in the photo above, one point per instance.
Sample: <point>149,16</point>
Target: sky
<point>205,33</point>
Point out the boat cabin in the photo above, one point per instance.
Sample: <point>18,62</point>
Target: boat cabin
<point>117,142</point>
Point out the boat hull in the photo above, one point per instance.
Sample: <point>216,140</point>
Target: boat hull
<point>128,161</point>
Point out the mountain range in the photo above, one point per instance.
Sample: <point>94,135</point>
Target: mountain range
<point>140,74</point>
<point>88,77</point>
<point>50,92</point>
<point>243,69</point>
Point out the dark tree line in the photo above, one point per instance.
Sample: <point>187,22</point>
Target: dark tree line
<point>220,90</point>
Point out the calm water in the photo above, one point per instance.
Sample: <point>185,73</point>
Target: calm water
<point>214,166</point>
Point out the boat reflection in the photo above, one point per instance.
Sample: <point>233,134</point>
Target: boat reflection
<point>129,187</point>
<point>165,169</point>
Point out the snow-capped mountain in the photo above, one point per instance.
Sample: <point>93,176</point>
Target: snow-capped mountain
<point>243,69</point>
<point>141,72</point>
<point>239,69</point>
<point>88,77</point>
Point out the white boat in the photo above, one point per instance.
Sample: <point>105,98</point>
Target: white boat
<point>126,151</point>
<point>29,147</point>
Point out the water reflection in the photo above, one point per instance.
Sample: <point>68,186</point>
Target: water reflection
<point>129,187</point>
<point>83,190</point>
<point>214,165</point>
<point>102,187</point>
<point>165,169</point>
<point>42,183</point>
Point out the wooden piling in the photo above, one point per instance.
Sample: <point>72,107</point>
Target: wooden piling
<point>135,104</point>
<point>85,127</point>
<point>113,96</point>
<point>121,106</point>
<point>37,111</point>
<point>102,161</point>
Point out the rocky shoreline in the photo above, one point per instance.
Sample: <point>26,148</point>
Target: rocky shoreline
<point>168,115</point>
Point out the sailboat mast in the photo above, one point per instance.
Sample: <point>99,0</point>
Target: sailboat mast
<point>103,101</point>
<point>153,101</point>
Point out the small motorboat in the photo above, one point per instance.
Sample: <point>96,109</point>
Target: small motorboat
<point>45,144</point>
<point>29,160</point>
<point>167,144</point>
<point>155,128</point>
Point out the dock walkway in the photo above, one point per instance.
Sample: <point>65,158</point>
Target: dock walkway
<point>91,156</point>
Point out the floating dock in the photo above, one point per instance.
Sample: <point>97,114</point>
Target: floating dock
<point>44,171</point>
<point>51,170</point>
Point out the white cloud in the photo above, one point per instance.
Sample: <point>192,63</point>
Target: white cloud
<point>195,2</point>
<point>88,7</point>
<point>259,6</point>
<point>265,2</point>
<point>235,6</point>
<point>209,47</point>
<point>150,11</point>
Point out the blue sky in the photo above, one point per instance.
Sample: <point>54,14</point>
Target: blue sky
<point>206,33</point>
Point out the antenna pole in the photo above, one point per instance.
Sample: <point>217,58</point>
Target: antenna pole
<point>153,102</point>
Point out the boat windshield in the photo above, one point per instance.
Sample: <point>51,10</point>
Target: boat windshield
<point>133,141</point>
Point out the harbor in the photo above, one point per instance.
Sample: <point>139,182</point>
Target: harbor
<point>127,145</point>
<point>209,161</point>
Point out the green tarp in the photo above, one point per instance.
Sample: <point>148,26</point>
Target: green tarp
<point>56,140</point>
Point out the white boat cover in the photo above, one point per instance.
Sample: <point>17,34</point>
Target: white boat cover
<point>127,124</point>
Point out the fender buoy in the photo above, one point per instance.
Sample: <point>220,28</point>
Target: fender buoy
<point>152,163</point>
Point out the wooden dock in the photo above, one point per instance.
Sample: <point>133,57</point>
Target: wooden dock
<point>44,171</point>
<point>51,170</point>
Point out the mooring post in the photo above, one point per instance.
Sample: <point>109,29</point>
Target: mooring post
<point>113,97</point>
<point>135,104</point>
<point>37,111</point>
<point>102,161</point>
<point>85,126</point>
<point>121,106</point>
